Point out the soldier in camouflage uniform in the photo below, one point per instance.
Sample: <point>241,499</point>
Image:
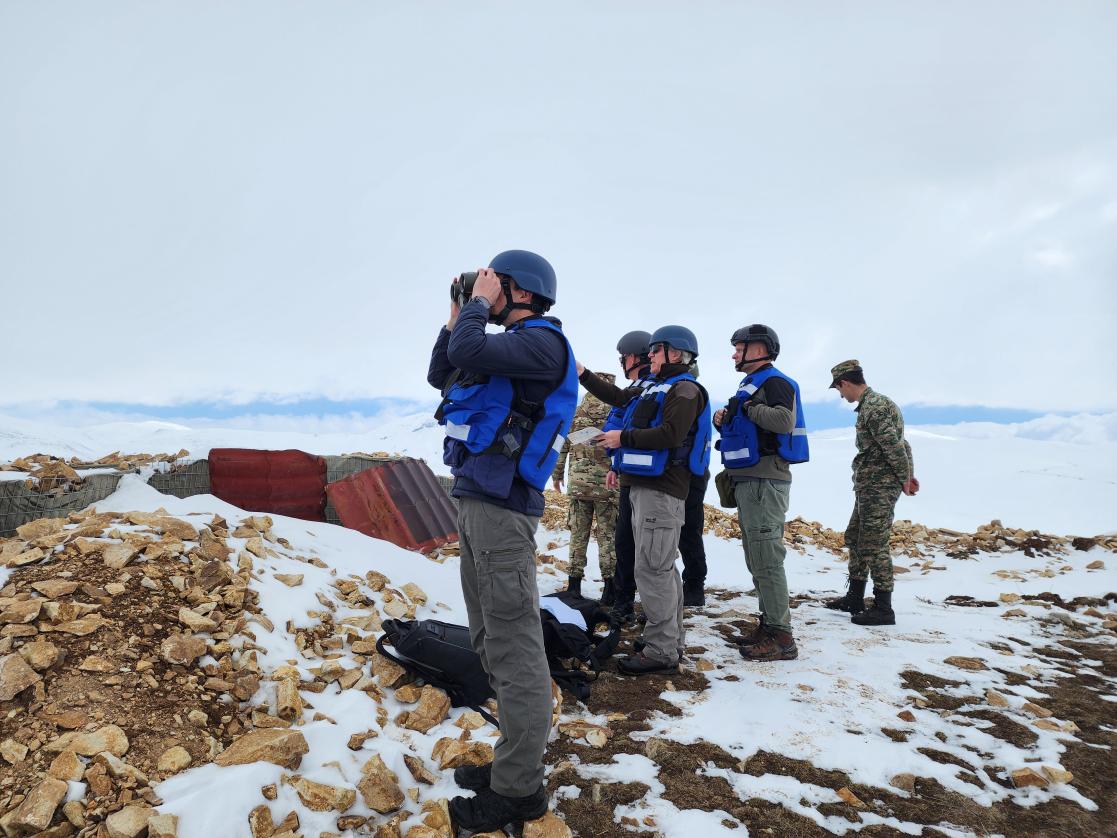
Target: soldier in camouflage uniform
<point>589,498</point>
<point>882,469</point>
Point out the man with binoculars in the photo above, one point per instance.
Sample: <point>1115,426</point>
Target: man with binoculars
<point>508,400</point>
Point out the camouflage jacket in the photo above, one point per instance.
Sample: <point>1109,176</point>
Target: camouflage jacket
<point>883,455</point>
<point>588,464</point>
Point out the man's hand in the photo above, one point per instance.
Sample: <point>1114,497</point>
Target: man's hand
<point>455,310</point>
<point>911,486</point>
<point>719,417</point>
<point>488,286</point>
<point>610,479</point>
<point>608,439</point>
<point>579,367</point>
<point>556,484</point>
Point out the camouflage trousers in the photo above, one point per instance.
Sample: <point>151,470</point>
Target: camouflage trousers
<point>581,517</point>
<point>868,533</point>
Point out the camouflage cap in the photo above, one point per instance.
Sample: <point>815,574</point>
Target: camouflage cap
<point>841,369</point>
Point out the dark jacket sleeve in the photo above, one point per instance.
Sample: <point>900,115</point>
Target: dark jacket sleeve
<point>440,366</point>
<point>534,354</point>
<point>608,393</point>
<point>774,410</point>
<point>680,408</point>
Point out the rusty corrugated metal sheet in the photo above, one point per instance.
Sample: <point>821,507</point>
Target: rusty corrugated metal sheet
<point>289,482</point>
<point>401,502</point>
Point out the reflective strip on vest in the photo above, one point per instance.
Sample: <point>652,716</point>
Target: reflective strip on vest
<point>637,459</point>
<point>457,431</point>
<point>749,388</point>
<point>739,454</point>
<point>558,443</point>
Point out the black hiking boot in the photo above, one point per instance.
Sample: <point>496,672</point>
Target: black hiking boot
<point>622,614</point>
<point>474,777</point>
<point>694,594</point>
<point>574,585</point>
<point>490,812</point>
<point>608,595</point>
<point>640,664</point>
<point>774,646</point>
<point>881,614</point>
<point>854,600</point>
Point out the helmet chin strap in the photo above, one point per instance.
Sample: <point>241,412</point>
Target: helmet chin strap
<point>642,361</point>
<point>509,306</point>
<point>740,367</point>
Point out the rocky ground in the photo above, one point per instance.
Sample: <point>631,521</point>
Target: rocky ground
<point>137,653</point>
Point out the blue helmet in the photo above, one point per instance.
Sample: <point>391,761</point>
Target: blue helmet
<point>677,337</point>
<point>530,270</point>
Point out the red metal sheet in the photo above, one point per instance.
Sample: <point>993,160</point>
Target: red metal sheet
<point>401,502</point>
<point>291,483</point>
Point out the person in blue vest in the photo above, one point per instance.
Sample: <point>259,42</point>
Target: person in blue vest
<point>664,441</point>
<point>762,433</point>
<point>508,400</point>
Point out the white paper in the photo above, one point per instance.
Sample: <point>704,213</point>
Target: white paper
<point>584,435</point>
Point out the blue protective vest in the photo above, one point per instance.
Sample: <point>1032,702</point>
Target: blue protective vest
<point>647,412</point>
<point>615,421</point>
<point>740,438</point>
<point>492,435</point>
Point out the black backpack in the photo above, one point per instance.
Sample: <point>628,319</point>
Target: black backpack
<point>442,655</point>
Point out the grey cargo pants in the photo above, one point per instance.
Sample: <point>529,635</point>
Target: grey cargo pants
<point>502,601</point>
<point>657,518</point>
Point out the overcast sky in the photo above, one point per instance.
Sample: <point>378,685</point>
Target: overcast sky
<point>252,200</point>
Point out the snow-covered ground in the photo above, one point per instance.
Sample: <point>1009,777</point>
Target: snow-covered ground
<point>1056,474</point>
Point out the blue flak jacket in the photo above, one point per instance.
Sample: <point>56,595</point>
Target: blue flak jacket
<point>647,412</point>
<point>618,416</point>
<point>492,434</point>
<point>740,438</point>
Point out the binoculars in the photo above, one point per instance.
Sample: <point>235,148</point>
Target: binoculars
<point>461,288</point>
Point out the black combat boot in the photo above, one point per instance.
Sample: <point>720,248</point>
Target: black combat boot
<point>641,664</point>
<point>854,600</point>
<point>622,614</point>
<point>694,594</point>
<point>474,777</point>
<point>608,595</point>
<point>574,585</point>
<point>881,614</point>
<point>491,812</point>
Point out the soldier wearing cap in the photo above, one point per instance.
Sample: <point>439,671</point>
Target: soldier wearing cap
<point>590,498</point>
<point>882,469</point>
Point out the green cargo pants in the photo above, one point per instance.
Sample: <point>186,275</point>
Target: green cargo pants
<point>761,510</point>
<point>869,533</point>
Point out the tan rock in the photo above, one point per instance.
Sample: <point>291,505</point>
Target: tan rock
<point>970,664</point>
<point>1057,774</point>
<point>319,797</point>
<point>195,621</point>
<point>291,580</point>
<point>397,609</point>
<point>277,746</point>
<point>162,826</point>
<point>117,556</point>
<point>1023,777</point>
<point>21,611</point>
<point>1048,724</point>
<point>67,766</point>
<point>40,655</point>
<point>74,812</point>
<point>260,822</point>
<point>118,769</point>
<point>379,787</point>
<point>904,782</point>
<point>173,760</point>
<point>351,822</point>
<point>453,753</point>
<point>357,740</point>
<point>24,558</point>
<point>37,810</point>
<point>288,702</point>
<point>850,798</point>
<point>12,751</point>
<point>415,593</point>
<point>548,826</point>
<point>470,720</point>
<point>409,693</point>
<point>1097,564</point>
<point>376,580</point>
<point>389,673</point>
<point>434,707</point>
<point>419,771</point>
<point>1036,711</point>
<point>129,822</point>
<point>37,529</point>
<point>108,738</point>
<point>96,663</point>
<point>182,649</point>
<point>256,547</point>
<point>176,527</point>
<point>995,699</point>
<point>15,676</point>
<point>436,816</point>
<point>1010,598</point>
<point>80,627</point>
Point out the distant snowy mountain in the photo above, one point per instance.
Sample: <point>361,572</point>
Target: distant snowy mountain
<point>1057,474</point>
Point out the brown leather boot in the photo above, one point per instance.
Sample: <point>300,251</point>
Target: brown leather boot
<point>754,636</point>
<point>774,646</point>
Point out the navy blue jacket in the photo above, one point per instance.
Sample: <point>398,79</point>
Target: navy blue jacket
<point>536,357</point>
